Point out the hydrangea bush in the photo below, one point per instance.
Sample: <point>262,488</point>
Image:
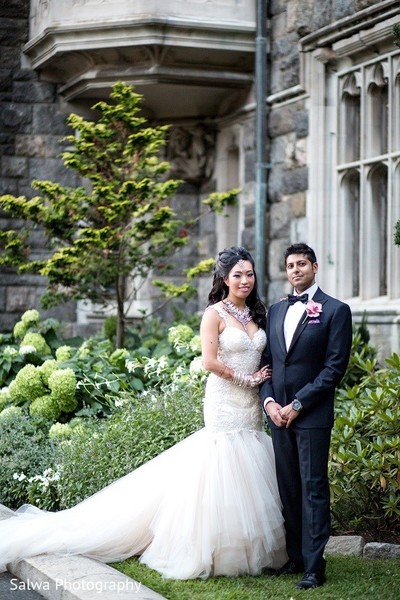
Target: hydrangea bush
<point>33,342</point>
<point>105,407</point>
<point>57,380</point>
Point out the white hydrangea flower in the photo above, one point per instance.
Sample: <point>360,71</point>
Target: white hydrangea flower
<point>9,351</point>
<point>196,367</point>
<point>27,349</point>
<point>180,335</point>
<point>195,344</point>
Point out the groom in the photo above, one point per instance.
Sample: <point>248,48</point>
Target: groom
<point>309,339</point>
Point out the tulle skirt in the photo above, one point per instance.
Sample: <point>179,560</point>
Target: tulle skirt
<point>207,506</point>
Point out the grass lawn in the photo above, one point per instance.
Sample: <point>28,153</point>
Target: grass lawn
<point>348,578</point>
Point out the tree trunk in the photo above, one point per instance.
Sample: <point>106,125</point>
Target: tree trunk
<point>121,288</point>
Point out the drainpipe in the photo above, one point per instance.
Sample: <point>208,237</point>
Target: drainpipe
<point>260,141</point>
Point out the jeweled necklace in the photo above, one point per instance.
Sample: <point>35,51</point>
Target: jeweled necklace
<point>242,315</point>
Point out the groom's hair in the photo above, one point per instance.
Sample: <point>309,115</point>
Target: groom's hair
<point>301,248</point>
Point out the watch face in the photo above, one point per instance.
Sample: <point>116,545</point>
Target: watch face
<point>296,405</point>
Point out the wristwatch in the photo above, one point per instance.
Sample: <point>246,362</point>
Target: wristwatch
<point>297,405</point>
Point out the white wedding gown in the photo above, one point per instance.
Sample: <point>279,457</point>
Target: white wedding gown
<point>207,506</point>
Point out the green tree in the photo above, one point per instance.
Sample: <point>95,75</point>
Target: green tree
<point>110,233</point>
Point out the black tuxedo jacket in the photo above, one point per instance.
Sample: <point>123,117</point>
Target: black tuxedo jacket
<point>314,364</point>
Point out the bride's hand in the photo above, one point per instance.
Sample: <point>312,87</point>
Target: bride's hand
<point>263,374</point>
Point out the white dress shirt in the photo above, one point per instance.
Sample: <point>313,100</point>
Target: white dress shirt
<point>294,313</point>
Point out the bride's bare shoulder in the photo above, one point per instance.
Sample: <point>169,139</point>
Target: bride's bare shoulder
<point>213,314</point>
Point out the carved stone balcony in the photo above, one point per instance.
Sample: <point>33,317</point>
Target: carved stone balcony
<point>189,58</point>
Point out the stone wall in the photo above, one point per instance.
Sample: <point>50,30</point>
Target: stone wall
<point>288,124</point>
<point>32,124</point>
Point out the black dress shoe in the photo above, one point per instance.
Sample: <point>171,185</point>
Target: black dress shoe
<point>311,580</point>
<point>289,568</point>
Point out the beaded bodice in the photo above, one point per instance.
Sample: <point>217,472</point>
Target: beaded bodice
<point>228,407</point>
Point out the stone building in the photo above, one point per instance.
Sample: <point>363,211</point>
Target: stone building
<point>296,102</point>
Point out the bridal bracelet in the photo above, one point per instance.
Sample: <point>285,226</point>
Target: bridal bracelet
<point>246,380</point>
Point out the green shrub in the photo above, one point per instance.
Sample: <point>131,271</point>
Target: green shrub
<point>362,356</point>
<point>100,370</point>
<point>155,354</point>
<point>25,451</point>
<point>139,430</point>
<point>42,489</point>
<point>365,452</point>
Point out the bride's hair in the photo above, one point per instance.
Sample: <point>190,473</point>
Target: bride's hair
<point>225,262</point>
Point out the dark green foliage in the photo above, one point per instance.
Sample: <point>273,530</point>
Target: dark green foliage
<point>25,449</point>
<point>10,359</point>
<point>101,372</point>
<point>365,452</point>
<point>362,356</point>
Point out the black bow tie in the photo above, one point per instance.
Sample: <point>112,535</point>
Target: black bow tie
<point>292,299</point>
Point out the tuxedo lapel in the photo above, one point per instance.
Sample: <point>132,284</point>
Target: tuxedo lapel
<point>283,306</point>
<point>302,324</point>
<point>319,296</point>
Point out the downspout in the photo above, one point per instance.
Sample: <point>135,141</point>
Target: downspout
<point>260,142</point>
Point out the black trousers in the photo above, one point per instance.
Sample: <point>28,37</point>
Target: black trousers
<point>301,457</point>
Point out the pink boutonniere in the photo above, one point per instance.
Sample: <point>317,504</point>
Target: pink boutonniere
<point>313,309</point>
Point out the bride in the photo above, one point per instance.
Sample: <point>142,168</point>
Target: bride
<point>207,506</point>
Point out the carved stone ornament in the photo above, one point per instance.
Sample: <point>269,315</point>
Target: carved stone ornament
<point>191,153</point>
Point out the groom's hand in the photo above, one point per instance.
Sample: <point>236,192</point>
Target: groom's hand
<point>289,415</point>
<point>275,414</point>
